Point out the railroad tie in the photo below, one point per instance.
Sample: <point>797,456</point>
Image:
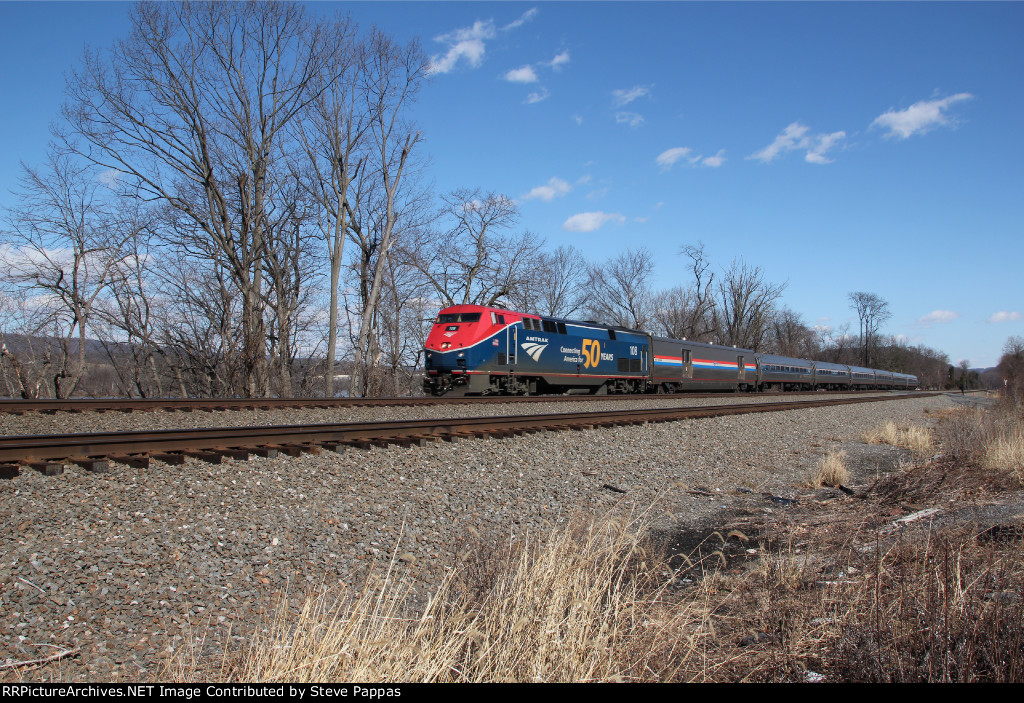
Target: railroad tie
<point>48,468</point>
<point>136,462</point>
<point>172,459</point>
<point>233,453</point>
<point>208,457</point>
<point>97,466</point>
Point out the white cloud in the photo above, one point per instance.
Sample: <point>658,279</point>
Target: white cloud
<point>714,161</point>
<point>795,138</point>
<point>669,157</point>
<point>633,119</point>
<point>110,177</point>
<point>537,96</point>
<point>523,19</point>
<point>791,138</point>
<point>526,74</point>
<point>937,317</point>
<point>554,188</point>
<point>590,221</point>
<point>623,97</point>
<point>559,60</point>
<point>820,144</point>
<point>578,119</point>
<point>1003,316</point>
<point>919,118</point>
<point>466,43</point>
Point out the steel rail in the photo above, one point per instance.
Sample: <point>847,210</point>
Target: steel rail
<point>87,448</point>
<point>79,405</point>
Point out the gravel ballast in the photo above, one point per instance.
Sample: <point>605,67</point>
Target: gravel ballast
<point>130,566</point>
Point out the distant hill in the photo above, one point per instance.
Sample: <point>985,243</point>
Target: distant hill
<point>20,344</point>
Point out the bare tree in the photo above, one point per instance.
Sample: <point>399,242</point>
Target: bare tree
<point>470,258</point>
<point>292,274</point>
<point>393,75</point>
<point>65,244</point>
<point>552,283</point>
<point>872,310</point>
<point>189,110</point>
<point>24,356</point>
<point>1011,367</point>
<point>789,336</point>
<point>406,312</point>
<point>833,344</point>
<point>127,311</point>
<point>332,134</point>
<point>688,312</point>
<point>746,303</point>
<point>619,291</point>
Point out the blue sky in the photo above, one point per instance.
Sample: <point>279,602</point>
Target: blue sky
<point>839,146</point>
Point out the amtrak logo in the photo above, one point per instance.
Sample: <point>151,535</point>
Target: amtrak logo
<point>534,349</point>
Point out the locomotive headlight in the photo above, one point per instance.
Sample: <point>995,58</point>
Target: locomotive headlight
<point>461,355</point>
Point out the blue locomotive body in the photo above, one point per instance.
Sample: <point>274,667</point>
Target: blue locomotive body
<point>472,349</point>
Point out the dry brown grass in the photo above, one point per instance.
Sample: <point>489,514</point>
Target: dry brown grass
<point>830,471</point>
<point>1004,447</point>
<point>585,604</point>
<point>914,437</point>
<point>993,440</point>
<point>1006,452</point>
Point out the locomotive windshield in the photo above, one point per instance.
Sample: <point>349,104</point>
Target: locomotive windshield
<point>458,317</point>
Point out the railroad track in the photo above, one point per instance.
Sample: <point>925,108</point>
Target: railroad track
<point>122,405</point>
<point>95,451</point>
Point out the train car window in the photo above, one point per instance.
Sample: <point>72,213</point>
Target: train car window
<point>561,328</point>
<point>549,326</point>
<point>501,319</point>
<point>450,317</point>
<point>611,334</point>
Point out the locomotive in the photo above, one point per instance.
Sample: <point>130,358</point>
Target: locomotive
<point>479,350</point>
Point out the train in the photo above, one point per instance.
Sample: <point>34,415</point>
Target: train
<point>481,350</point>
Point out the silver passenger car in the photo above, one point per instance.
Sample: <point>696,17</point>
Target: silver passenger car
<point>784,373</point>
<point>831,377</point>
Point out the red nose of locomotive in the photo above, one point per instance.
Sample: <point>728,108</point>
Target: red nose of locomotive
<point>458,327</point>
<point>457,346</point>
